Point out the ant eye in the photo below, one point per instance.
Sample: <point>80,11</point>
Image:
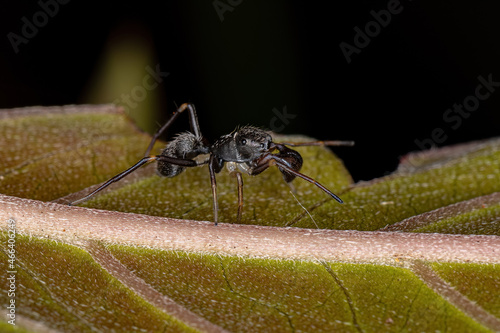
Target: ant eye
<point>243,141</point>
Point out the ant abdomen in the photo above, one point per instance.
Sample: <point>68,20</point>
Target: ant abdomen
<point>186,146</point>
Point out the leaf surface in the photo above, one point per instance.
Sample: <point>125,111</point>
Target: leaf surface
<point>132,266</point>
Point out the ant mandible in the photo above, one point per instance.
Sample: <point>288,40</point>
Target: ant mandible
<point>247,149</point>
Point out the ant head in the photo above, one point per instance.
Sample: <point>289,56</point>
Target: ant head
<point>251,142</point>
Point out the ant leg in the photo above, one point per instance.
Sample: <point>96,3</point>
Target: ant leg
<point>143,161</point>
<point>277,161</point>
<point>240,195</point>
<point>114,179</point>
<point>273,159</point>
<point>193,119</point>
<point>239,178</point>
<point>211,168</point>
<point>193,122</point>
<point>261,165</point>
<point>284,165</point>
<point>319,143</point>
<point>235,173</point>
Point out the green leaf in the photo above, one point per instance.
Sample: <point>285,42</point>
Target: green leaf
<point>448,179</point>
<point>51,152</point>
<point>82,269</point>
<point>478,216</point>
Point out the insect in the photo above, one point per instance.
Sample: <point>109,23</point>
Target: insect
<point>248,150</point>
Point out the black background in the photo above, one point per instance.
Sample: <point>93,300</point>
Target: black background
<point>266,55</point>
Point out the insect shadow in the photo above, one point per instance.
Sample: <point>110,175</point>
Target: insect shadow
<point>248,150</point>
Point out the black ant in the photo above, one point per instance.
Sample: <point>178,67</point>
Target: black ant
<point>247,149</point>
